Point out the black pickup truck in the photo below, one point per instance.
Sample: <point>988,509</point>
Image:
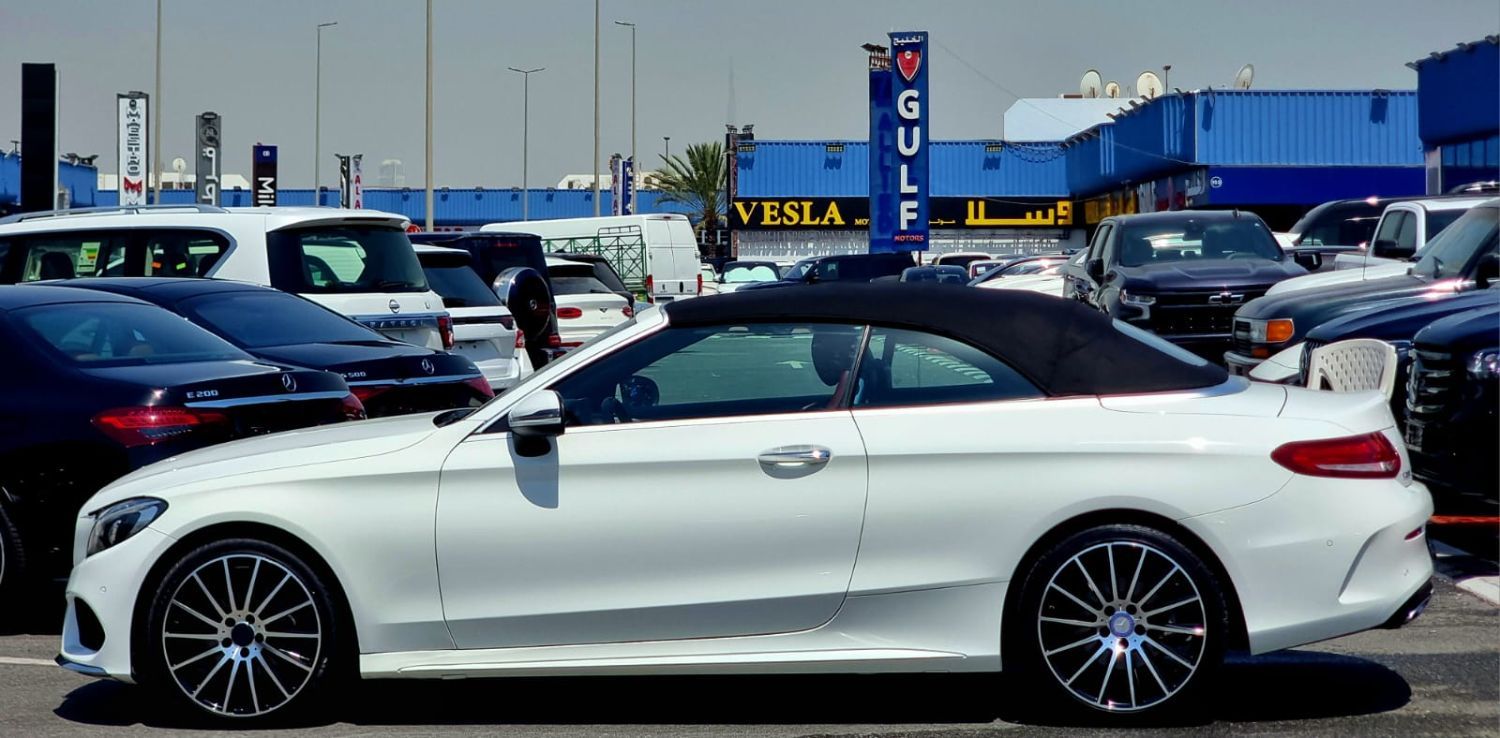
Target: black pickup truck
<point>1461,259</point>
<point>839,268</point>
<point>1181,274</point>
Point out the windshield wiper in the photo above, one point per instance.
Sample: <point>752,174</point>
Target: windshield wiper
<point>391,284</point>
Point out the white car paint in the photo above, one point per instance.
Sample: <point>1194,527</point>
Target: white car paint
<point>581,317</point>
<point>1319,280</point>
<point>1408,224</point>
<point>1281,368</point>
<point>660,547</point>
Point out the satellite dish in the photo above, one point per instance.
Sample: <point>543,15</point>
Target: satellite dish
<point>1089,85</point>
<point>1112,89</point>
<point>1148,85</point>
<point>179,166</point>
<point>1243,78</point>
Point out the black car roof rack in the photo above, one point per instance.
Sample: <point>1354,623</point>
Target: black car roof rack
<point>109,209</point>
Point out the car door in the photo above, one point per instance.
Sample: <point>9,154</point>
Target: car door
<point>708,484</point>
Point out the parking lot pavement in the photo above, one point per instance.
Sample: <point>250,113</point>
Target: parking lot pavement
<point>1434,677</point>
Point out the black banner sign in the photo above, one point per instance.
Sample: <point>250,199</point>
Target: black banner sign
<point>853,213</point>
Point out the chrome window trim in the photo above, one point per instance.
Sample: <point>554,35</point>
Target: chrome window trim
<point>266,399</point>
<point>411,381</point>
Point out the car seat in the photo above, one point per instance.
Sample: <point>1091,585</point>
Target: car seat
<point>56,265</point>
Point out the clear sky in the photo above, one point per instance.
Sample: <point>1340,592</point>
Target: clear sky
<point>798,69</point>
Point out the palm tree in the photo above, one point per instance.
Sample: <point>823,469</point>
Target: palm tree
<point>697,182</point>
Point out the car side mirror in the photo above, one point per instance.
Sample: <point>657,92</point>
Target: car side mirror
<point>1386,248</point>
<point>1488,271</point>
<point>537,415</point>
<point>1309,260</point>
<point>811,276</point>
<point>1095,269</point>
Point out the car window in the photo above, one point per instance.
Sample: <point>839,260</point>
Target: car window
<point>576,279</point>
<point>1192,238</point>
<point>902,367</point>
<point>459,286</point>
<point>344,259</point>
<point>78,254</point>
<point>1343,224</point>
<point>611,279</point>
<point>715,371</point>
<point>1096,247</point>
<point>124,334</point>
<point>1461,244</point>
<point>830,269</point>
<point>1439,220</point>
<point>258,319</point>
<point>1406,238</point>
<point>1391,226</point>
<point>749,272</point>
<point>183,253</point>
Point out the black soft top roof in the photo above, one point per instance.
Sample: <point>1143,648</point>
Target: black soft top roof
<point>1063,346</point>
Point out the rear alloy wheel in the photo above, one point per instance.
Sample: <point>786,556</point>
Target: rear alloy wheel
<point>1124,619</point>
<point>242,629</point>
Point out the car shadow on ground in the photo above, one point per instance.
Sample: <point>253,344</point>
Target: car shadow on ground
<point>1299,685</point>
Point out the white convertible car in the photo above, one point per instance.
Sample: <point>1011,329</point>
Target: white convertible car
<point>835,478</point>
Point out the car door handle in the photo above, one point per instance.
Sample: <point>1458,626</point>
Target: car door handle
<point>793,457</point>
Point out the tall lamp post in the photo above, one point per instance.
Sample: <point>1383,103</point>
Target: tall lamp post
<point>596,108</point>
<point>318,118</point>
<point>525,135</point>
<point>635,165</point>
<point>429,117</point>
<point>156,114</point>
<point>666,147</point>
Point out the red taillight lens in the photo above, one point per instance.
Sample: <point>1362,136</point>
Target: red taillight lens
<point>520,339</point>
<point>353,408</point>
<point>700,283</point>
<point>445,327</point>
<point>366,392</point>
<point>145,426</point>
<point>569,313</point>
<point>650,283</point>
<point>482,386</point>
<point>554,341</point>
<point>628,311</point>
<point>1370,456</point>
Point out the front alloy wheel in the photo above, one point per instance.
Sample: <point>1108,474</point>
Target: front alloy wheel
<point>243,629</point>
<point>1125,623</point>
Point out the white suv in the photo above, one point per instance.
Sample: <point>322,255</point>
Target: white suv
<point>484,331</point>
<point>356,262</point>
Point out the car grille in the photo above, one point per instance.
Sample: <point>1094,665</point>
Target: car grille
<point>1306,361</point>
<point>1242,343</point>
<point>1432,385</point>
<point>1199,313</point>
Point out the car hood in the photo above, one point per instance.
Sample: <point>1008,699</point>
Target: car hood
<point>1401,319</point>
<point>1473,330</point>
<point>319,445</point>
<point>1207,274</point>
<point>1341,276</point>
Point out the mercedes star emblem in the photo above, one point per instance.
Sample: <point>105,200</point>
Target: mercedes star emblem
<point>427,365</point>
<point>289,382</point>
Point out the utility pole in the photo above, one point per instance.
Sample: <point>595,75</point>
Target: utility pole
<point>596,108</point>
<point>318,118</point>
<point>525,136</point>
<point>429,115</point>
<point>666,146</point>
<point>156,115</point>
<point>635,165</point>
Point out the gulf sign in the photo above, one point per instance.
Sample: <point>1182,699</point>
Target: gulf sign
<point>898,147</point>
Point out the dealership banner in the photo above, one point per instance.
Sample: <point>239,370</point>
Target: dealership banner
<point>263,174</point>
<point>853,213</point>
<point>207,174</point>
<point>132,149</point>
<point>898,147</point>
<point>351,181</point>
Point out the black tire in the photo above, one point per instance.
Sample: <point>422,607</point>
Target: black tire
<point>1147,647</point>
<point>13,573</point>
<point>285,675</point>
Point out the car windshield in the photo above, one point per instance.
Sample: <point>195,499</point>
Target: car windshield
<point>1030,267</point>
<point>344,259</point>
<point>262,319</point>
<point>576,279</point>
<point>1190,239</point>
<point>459,286</point>
<point>798,270</point>
<point>1342,224</point>
<point>123,334</point>
<point>1439,220</point>
<point>1461,244</point>
<point>749,271</point>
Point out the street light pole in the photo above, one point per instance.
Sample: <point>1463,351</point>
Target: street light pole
<point>318,118</point>
<point>429,115</point>
<point>596,108</point>
<point>635,165</point>
<point>156,115</point>
<point>525,136</point>
<point>666,144</point>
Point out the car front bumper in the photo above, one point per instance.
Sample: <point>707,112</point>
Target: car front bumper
<point>107,584</point>
<point>1323,558</point>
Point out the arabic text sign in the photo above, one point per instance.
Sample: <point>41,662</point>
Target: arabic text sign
<point>853,213</point>
<point>132,118</point>
<point>898,139</point>
<point>206,179</point>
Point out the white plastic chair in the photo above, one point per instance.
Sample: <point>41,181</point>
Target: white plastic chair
<point>1355,365</point>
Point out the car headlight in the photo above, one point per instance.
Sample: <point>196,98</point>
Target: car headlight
<point>1485,364</point>
<point>118,522</point>
<point>1127,298</point>
<point>1276,330</point>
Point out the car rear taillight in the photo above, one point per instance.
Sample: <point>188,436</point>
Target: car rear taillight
<point>569,313</point>
<point>650,284</point>
<point>520,339</point>
<point>366,392</point>
<point>445,328</point>
<point>700,283</point>
<point>353,408</point>
<point>554,341</point>
<point>1370,456</point>
<point>628,311</point>
<point>145,426</point>
<point>482,386</point>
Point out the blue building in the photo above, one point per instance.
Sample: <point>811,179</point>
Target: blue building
<point>1458,114</point>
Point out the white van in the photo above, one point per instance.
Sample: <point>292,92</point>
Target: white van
<point>654,254</point>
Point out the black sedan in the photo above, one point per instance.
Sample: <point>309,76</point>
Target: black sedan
<point>389,377</point>
<point>96,385</point>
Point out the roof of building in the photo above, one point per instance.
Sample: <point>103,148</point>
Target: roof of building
<point>1460,92</point>
<point>1061,346</point>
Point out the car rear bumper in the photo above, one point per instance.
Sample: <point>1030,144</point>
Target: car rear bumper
<point>1323,558</point>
